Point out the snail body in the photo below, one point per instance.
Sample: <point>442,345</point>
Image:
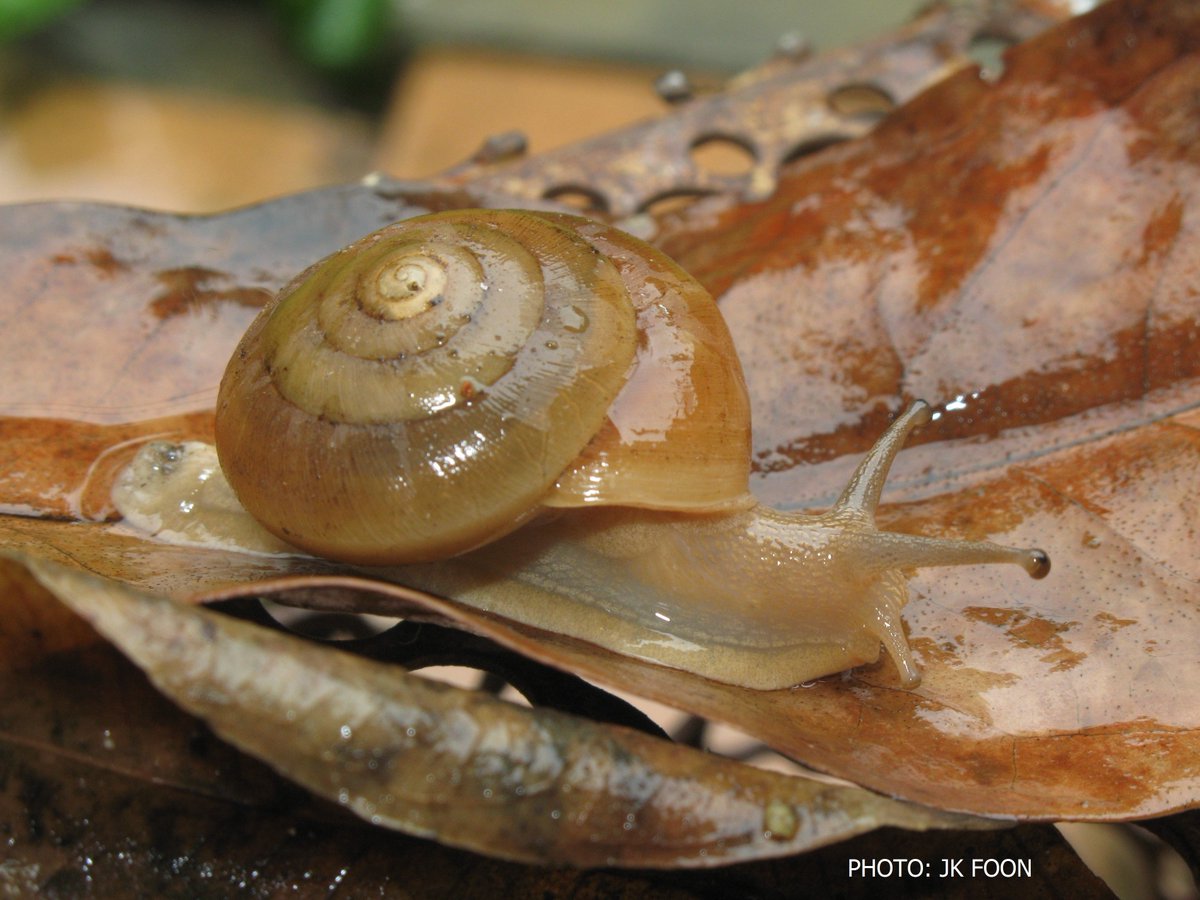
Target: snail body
<point>541,416</point>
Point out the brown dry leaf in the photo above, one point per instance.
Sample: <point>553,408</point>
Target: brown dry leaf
<point>108,790</point>
<point>526,784</point>
<point>1021,246</point>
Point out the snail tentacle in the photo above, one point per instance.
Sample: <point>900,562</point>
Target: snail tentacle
<point>888,596</point>
<point>888,550</point>
<point>865,487</point>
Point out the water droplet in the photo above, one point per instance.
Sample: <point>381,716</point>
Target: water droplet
<point>345,732</point>
<point>338,879</point>
<point>957,403</point>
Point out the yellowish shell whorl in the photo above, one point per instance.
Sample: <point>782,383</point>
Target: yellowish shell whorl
<point>432,386</point>
<point>678,435</point>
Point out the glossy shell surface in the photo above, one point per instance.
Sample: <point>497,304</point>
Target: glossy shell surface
<point>439,382</point>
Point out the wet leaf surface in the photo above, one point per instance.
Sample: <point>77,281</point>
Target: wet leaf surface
<point>119,323</point>
<point>1031,267</point>
<point>532,785</point>
<point>1020,251</point>
<point>109,789</point>
<point>73,829</point>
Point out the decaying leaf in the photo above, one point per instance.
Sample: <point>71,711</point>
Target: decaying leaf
<point>108,789</point>
<point>466,768</point>
<point>790,106</point>
<point>1018,250</point>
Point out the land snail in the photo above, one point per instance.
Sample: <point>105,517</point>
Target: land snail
<point>542,416</point>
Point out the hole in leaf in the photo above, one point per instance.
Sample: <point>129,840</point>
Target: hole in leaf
<point>814,145</point>
<point>577,197</point>
<point>671,201</point>
<point>720,154</point>
<point>861,101</point>
<point>987,50</point>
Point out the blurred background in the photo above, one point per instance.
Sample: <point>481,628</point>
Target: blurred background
<point>200,105</point>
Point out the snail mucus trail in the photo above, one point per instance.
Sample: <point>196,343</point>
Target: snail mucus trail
<point>543,417</point>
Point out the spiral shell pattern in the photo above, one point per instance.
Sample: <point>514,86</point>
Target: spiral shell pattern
<point>417,393</point>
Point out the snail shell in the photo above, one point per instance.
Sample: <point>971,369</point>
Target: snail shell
<point>560,408</point>
<point>441,380</point>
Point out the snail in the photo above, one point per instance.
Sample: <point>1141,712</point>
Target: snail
<point>542,416</point>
